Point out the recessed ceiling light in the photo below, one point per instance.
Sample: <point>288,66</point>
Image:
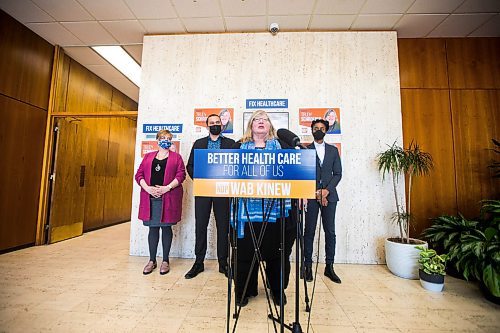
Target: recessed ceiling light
<point>122,61</point>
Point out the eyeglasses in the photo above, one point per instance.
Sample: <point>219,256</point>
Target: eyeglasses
<point>259,120</point>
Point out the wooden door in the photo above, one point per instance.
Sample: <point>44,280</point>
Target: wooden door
<point>67,202</point>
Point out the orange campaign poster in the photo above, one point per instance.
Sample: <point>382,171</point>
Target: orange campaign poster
<point>226,116</point>
<point>149,146</point>
<point>307,115</point>
<point>339,147</point>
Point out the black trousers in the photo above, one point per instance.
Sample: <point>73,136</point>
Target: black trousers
<point>328,218</point>
<point>270,251</point>
<point>202,209</point>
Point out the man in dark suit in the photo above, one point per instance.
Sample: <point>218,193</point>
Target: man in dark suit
<point>203,205</point>
<point>328,175</point>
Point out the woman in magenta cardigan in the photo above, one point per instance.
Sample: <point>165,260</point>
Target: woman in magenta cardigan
<point>160,176</point>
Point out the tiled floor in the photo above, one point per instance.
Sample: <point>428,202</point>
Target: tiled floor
<point>91,284</point>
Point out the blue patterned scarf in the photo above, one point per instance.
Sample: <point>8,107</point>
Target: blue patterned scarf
<point>259,210</point>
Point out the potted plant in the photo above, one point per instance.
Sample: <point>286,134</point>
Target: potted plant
<point>473,246</point>
<point>401,254</point>
<point>495,165</point>
<point>432,269</point>
<point>416,163</point>
<point>478,254</point>
<point>444,235</point>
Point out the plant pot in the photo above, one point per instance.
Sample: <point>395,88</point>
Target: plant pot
<point>402,258</point>
<point>431,282</point>
<point>452,271</point>
<point>487,294</point>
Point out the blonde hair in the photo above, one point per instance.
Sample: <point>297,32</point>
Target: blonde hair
<point>163,132</point>
<point>327,113</point>
<point>224,111</point>
<point>247,136</point>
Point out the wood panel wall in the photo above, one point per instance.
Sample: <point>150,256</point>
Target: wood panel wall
<point>25,63</point>
<point>435,194</point>
<point>422,63</point>
<point>450,105</point>
<point>473,63</point>
<point>66,208</point>
<point>119,170</point>
<point>25,67</point>
<point>476,119</point>
<point>110,147</point>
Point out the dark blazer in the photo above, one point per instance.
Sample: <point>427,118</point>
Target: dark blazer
<point>202,143</point>
<point>330,173</point>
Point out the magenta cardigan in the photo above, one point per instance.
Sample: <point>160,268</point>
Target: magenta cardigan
<point>172,200</point>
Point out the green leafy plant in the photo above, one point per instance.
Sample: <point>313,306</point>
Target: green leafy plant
<point>431,262</point>
<point>411,162</point>
<point>473,246</point>
<point>490,211</point>
<point>485,246</point>
<point>416,163</point>
<point>496,164</point>
<point>479,257</point>
<point>446,231</point>
<point>391,162</point>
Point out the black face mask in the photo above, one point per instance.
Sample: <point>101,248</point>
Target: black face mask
<point>215,129</point>
<point>318,135</point>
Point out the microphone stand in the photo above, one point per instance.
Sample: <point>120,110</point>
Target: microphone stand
<point>232,258</point>
<point>296,328</point>
<point>281,318</point>
<point>300,233</point>
<point>299,260</point>
<point>320,212</point>
<point>257,260</point>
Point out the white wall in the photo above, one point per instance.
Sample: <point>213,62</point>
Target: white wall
<point>355,71</point>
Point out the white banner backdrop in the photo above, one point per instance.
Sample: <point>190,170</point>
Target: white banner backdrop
<point>355,71</point>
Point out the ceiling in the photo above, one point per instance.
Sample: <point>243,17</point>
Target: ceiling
<point>77,24</point>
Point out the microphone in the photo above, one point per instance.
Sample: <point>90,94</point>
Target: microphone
<point>290,138</point>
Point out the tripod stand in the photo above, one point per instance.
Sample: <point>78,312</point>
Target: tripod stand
<point>299,264</point>
<point>286,236</point>
<point>258,246</point>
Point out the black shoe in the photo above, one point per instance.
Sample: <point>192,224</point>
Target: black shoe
<point>309,274</point>
<point>252,293</point>
<point>223,269</point>
<point>330,273</point>
<point>195,270</point>
<point>277,299</point>
<point>241,301</point>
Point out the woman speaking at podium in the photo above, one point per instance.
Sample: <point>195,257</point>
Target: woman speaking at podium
<point>260,134</point>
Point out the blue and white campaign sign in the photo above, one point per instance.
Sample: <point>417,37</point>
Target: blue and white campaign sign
<point>153,128</point>
<point>149,144</point>
<point>286,173</point>
<point>275,108</point>
<point>267,103</point>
